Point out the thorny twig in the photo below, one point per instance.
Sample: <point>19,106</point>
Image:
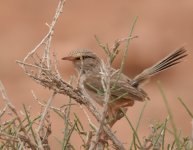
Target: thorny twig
<point>48,37</point>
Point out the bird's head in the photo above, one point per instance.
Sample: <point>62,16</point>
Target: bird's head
<point>85,61</point>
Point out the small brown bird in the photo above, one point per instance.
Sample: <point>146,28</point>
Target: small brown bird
<point>125,91</point>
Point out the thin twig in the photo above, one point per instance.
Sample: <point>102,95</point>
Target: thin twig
<point>88,140</point>
<point>12,108</point>
<point>45,112</point>
<point>52,107</point>
<point>89,119</point>
<point>3,110</point>
<point>125,51</point>
<point>105,71</point>
<point>49,34</point>
<point>30,65</point>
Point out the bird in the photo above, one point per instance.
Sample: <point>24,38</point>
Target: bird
<point>124,91</point>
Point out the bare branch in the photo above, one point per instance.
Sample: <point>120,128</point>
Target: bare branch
<point>47,39</point>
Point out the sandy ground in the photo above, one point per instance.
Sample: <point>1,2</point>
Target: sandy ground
<point>162,26</point>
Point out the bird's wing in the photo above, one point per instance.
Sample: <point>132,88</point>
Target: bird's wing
<point>120,89</point>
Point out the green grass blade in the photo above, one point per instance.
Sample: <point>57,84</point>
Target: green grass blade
<point>177,141</point>
<point>134,131</point>
<point>186,108</point>
<point>30,124</point>
<point>164,131</point>
<point>138,122</point>
<point>125,51</point>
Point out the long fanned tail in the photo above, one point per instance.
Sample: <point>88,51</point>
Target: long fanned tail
<point>170,60</point>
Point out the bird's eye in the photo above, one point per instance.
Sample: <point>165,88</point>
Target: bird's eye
<point>83,57</point>
<point>77,58</point>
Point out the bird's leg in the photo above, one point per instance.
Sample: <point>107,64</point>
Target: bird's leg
<point>113,115</point>
<point>115,111</point>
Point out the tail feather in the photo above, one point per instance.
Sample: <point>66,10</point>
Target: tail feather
<point>170,60</point>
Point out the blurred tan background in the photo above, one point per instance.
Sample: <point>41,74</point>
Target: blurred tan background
<point>162,26</point>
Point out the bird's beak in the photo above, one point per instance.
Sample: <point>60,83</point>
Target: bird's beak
<point>70,58</point>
